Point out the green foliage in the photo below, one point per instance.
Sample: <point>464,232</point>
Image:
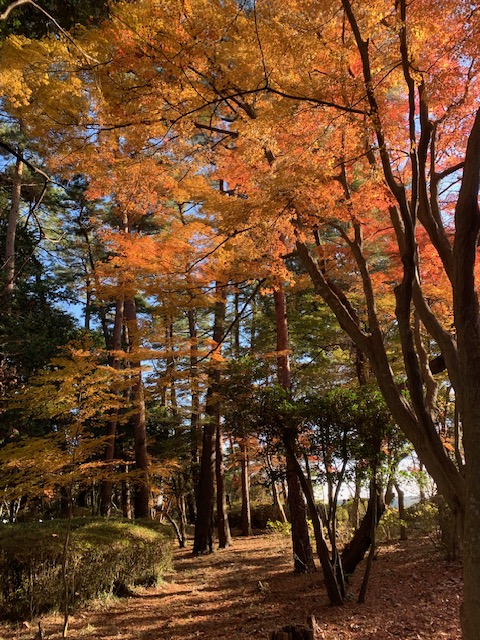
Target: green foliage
<point>422,519</point>
<point>283,528</point>
<point>389,525</point>
<point>104,557</point>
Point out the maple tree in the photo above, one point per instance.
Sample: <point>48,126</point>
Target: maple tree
<point>346,133</point>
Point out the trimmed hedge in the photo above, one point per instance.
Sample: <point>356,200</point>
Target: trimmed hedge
<point>104,557</point>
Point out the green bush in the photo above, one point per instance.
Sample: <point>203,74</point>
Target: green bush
<point>283,528</point>
<point>422,519</point>
<point>104,557</point>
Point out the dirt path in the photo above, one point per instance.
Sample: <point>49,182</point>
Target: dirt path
<point>245,592</point>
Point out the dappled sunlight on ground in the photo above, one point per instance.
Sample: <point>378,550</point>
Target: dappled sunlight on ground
<point>246,591</point>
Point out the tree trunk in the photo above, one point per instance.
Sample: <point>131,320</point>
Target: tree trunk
<point>333,589</point>
<point>109,456</point>
<point>353,515</point>
<point>467,324</point>
<point>303,561</point>
<point>182,514</point>
<point>142,486</point>
<point>195,408</point>
<point>302,548</point>
<point>203,541</point>
<point>355,550</point>
<point>401,512</point>
<point>278,504</point>
<point>126,496</point>
<point>12,229</point>
<point>224,537</point>
<point>373,527</point>
<point>204,524</point>
<point>246,519</point>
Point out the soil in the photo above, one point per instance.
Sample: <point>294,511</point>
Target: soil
<point>249,590</point>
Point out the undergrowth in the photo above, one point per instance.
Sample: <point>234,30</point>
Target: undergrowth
<point>104,557</point>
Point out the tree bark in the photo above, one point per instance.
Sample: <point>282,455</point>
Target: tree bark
<point>12,229</point>
<point>355,550</point>
<point>204,524</point>
<point>224,536</point>
<point>401,512</point>
<point>246,517</point>
<point>109,456</point>
<point>195,396</point>
<point>353,515</point>
<point>467,323</point>
<point>331,583</point>
<point>302,549</point>
<point>373,528</point>
<point>142,485</point>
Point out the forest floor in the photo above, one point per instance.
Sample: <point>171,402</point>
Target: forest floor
<point>249,589</point>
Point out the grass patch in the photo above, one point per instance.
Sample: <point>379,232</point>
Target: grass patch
<point>104,557</point>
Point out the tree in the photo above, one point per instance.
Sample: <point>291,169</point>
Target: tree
<point>302,550</point>
<point>347,132</point>
<point>210,456</point>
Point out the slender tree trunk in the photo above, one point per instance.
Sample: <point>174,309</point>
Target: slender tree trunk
<point>371,554</point>
<point>171,398</point>
<point>142,487</point>
<point>109,456</point>
<point>278,503</point>
<point>333,588</point>
<point>12,229</point>
<point>401,512</point>
<point>355,550</point>
<point>353,516</point>
<point>224,536</point>
<point>182,513</point>
<point>195,408</point>
<point>204,524</point>
<point>302,549</point>
<point>246,519</point>
<point>126,496</point>
<point>275,493</point>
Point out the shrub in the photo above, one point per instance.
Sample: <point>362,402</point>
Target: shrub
<point>422,519</point>
<point>389,525</point>
<point>283,528</point>
<point>104,557</point>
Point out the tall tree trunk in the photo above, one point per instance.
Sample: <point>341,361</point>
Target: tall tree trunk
<point>109,456</point>
<point>195,407</point>
<point>224,536</point>
<point>142,487</point>
<point>12,229</point>
<point>371,553</point>
<point>126,495</point>
<point>467,324</point>
<point>353,515</point>
<point>335,592</point>
<point>204,524</point>
<point>401,512</point>
<point>246,518</point>
<point>355,550</point>
<point>302,549</point>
